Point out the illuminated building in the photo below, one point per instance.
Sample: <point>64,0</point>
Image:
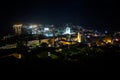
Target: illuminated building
<point>67,30</point>
<point>17,28</point>
<point>78,37</point>
<point>32,29</point>
<point>46,30</point>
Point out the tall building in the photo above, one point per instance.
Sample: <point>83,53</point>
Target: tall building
<point>17,29</point>
<point>79,37</point>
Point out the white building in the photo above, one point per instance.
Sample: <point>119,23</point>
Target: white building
<point>67,30</point>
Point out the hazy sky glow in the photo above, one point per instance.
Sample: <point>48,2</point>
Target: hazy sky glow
<point>93,13</point>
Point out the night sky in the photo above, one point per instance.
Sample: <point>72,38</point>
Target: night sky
<point>99,14</point>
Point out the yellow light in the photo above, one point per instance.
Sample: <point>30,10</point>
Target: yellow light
<point>18,56</point>
<point>108,40</point>
<point>79,37</point>
<point>16,25</point>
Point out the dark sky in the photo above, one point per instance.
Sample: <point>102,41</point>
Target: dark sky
<point>100,14</point>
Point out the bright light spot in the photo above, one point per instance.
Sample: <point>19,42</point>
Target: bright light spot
<point>46,29</point>
<point>88,36</point>
<point>108,40</point>
<point>49,45</point>
<point>31,27</point>
<point>116,39</point>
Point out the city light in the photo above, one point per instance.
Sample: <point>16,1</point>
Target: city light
<point>79,37</point>
<point>116,39</point>
<point>70,32</point>
<point>67,30</point>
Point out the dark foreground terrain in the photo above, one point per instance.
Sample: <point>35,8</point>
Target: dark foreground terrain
<point>109,61</point>
<point>49,65</point>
